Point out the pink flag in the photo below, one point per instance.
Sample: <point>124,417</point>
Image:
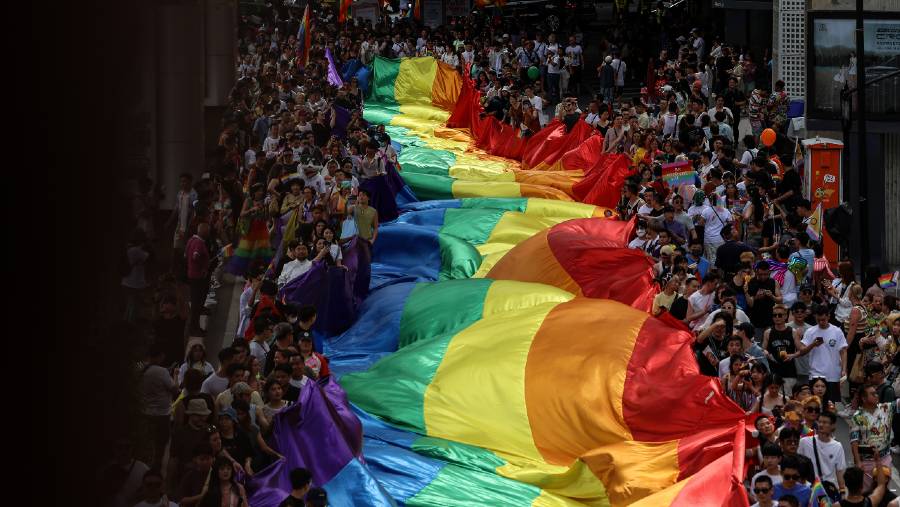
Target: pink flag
<point>334,78</point>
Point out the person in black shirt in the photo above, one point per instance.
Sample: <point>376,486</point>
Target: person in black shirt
<point>710,345</point>
<point>762,293</point>
<point>234,440</point>
<point>734,100</point>
<point>723,65</point>
<point>316,497</point>
<point>728,255</point>
<point>759,173</point>
<point>300,482</point>
<point>789,189</point>
<point>680,304</point>
<point>302,322</point>
<point>169,328</point>
<point>781,344</point>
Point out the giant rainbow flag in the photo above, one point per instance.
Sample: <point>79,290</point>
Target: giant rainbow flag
<point>504,355</point>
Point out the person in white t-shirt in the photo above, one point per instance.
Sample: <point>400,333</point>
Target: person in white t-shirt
<point>312,177</point>
<point>771,457</point>
<point>576,62</point>
<point>535,100</point>
<point>593,116</point>
<point>218,381</point>
<point>701,301</point>
<point>830,451</point>
<point>639,241</point>
<point>715,218</point>
<point>827,348</point>
<point>271,142</point>
<point>619,68</point>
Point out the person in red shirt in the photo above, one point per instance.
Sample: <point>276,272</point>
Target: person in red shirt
<point>267,306</point>
<point>197,257</point>
<point>312,359</point>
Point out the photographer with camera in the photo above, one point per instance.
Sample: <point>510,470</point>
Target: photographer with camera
<point>738,386</point>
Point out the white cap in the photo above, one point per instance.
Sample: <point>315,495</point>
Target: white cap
<point>608,59</point>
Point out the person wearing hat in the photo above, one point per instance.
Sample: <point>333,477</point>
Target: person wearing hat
<point>239,391</point>
<point>187,436</point>
<point>662,269</point>
<point>234,441</point>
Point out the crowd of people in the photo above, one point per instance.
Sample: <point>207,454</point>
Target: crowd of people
<point>789,339</point>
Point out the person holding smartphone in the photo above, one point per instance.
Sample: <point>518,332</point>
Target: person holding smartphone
<point>827,347</point>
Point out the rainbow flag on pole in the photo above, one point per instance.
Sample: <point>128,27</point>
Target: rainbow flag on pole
<point>304,36</point>
<point>818,497</point>
<point>888,280</point>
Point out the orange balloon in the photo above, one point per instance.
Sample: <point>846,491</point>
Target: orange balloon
<point>767,137</point>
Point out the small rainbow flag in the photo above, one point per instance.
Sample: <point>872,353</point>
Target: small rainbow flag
<point>677,174</point>
<point>888,280</point>
<point>227,251</point>
<point>818,497</point>
<point>814,225</point>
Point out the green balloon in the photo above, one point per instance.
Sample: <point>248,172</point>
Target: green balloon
<point>534,73</point>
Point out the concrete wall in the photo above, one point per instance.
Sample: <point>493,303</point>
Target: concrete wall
<point>188,69</point>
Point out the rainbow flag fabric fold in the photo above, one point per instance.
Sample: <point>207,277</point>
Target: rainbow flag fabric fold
<point>505,355</point>
<point>492,373</point>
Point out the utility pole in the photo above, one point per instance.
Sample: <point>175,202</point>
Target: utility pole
<point>862,163</point>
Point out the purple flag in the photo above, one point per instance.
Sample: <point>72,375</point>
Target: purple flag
<point>334,79</point>
<point>335,292</point>
<point>322,434</point>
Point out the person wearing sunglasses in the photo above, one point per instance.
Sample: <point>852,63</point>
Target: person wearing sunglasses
<point>771,472</point>
<point>792,482</point>
<point>763,490</point>
<point>789,439</point>
<point>781,345</point>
